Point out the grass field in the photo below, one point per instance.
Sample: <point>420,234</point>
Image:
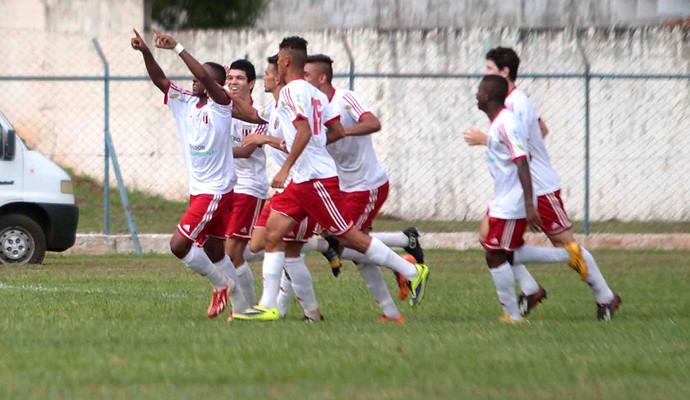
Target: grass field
<point>84,327</point>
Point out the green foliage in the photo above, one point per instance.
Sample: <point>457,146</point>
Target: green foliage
<point>201,14</point>
<point>127,327</point>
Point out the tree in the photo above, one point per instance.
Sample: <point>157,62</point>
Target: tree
<point>193,14</point>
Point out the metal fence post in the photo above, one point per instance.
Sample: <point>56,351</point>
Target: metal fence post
<point>587,77</point>
<point>351,57</point>
<point>110,153</point>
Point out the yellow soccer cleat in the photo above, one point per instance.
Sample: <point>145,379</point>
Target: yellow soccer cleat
<point>418,285</point>
<point>257,313</point>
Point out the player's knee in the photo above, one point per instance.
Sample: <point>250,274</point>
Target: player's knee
<point>179,247</point>
<point>494,259</point>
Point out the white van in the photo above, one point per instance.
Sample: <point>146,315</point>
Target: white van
<point>37,210</point>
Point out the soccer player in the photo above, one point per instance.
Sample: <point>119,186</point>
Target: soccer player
<point>204,121</point>
<point>556,225</point>
<point>252,182</point>
<point>303,113</point>
<point>299,281</point>
<point>361,176</point>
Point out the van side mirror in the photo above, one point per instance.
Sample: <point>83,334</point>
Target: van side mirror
<point>7,145</point>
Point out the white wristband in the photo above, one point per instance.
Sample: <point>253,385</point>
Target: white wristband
<point>178,48</point>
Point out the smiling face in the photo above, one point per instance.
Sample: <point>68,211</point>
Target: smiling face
<point>236,82</point>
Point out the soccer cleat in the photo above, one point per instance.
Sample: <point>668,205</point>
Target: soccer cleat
<point>605,311</point>
<point>386,319</point>
<point>230,316</point>
<point>257,313</point>
<point>577,262</point>
<point>414,248</point>
<point>218,302</point>
<point>507,320</point>
<point>332,255</point>
<point>526,303</point>
<point>418,285</point>
<point>403,285</point>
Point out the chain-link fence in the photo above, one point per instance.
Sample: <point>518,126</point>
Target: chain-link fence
<point>618,141</point>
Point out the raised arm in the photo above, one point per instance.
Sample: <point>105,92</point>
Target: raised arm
<point>214,89</point>
<point>155,72</point>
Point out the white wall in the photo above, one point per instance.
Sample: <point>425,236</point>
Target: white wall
<point>639,140</point>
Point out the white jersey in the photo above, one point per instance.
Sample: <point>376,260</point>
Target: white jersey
<point>505,146</point>
<point>358,167</point>
<point>251,171</point>
<point>301,100</point>
<point>205,136</point>
<point>544,177</point>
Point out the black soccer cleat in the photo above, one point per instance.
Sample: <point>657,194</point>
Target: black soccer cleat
<point>414,248</point>
<point>605,311</point>
<point>332,255</point>
<point>526,303</point>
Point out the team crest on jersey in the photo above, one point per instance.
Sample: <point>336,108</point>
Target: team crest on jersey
<point>263,113</point>
<point>348,107</point>
<point>174,96</point>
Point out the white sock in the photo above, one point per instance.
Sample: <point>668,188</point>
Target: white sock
<point>285,295</point>
<point>245,278</point>
<point>537,254</point>
<point>198,261</point>
<point>373,277</point>
<point>379,254</point>
<point>527,283</point>
<point>237,298</point>
<point>354,255</point>
<point>505,288</point>
<point>272,268</point>
<point>302,283</point>
<point>596,280</point>
<point>249,256</point>
<point>315,243</point>
<point>392,239</point>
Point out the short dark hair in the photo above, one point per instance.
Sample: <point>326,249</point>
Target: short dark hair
<point>273,59</point>
<point>505,57</point>
<point>297,47</point>
<point>496,86</point>
<point>326,61</point>
<point>217,72</point>
<point>247,67</point>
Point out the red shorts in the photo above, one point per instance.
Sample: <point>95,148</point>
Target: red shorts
<point>505,234</point>
<point>365,205</point>
<point>300,233</point>
<point>205,216</point>
<point>241,219</point>
<point>320,199</point>
<point>552,213</point>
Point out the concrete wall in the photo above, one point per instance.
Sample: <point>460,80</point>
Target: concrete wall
<point>432,14</point>
<point>89,17</point>
<point>639,140</point>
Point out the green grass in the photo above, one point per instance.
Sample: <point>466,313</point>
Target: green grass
<point>155,214</point>
<point>83,327</point>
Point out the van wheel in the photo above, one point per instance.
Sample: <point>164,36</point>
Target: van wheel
<point>22,240</point>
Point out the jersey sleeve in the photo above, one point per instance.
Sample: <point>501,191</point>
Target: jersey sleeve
<point>176,99</point>
<point>265,112</point>
<point>355,106</point>
<point>330,114</point>
<point>512,135</point>
<point>295,102</point>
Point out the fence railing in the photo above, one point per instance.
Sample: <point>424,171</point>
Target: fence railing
<point>618,141</point>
